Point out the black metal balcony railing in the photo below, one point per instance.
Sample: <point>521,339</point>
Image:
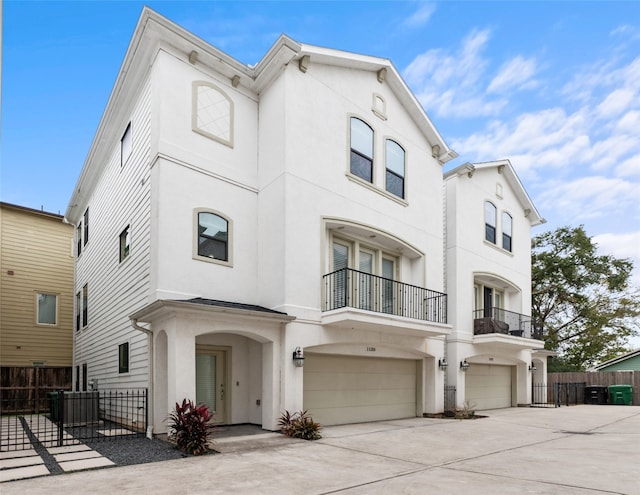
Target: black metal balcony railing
<point>498,320</point>
<point>360,290</point>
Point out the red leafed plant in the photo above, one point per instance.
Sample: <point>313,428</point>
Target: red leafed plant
<point>190,427</point>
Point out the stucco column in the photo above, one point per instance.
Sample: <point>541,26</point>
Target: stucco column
<point>271,397</point>
<point>181,367</point>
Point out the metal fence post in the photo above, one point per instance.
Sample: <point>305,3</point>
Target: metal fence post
<point>60,416</point>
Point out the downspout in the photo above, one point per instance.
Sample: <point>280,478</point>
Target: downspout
<point>149,333</point>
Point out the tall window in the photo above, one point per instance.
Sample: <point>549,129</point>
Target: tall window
<point>85,305</point>
<point>506,231</point>
<point>213,236</point>
<point>395,168</point>
<point>361,149</point>
<point>79,239</point>
<point>125,241</point>
<point>85,221</point>
<point>84,377</point>
<point>78,310</point>
<point>46,309</point>
<point>126,145</point>
<point>123,358</point>
<point>490,222</point>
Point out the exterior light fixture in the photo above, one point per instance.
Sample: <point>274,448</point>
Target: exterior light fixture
<point>532,368</point>
<point>298,358</point>
<point>464,365</point>
<point>442,364</point>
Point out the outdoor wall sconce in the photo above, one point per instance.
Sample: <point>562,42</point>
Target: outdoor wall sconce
<point>442,364</point>
<point>464,366</point>
<point>298,358</point>
<point>532,368</point>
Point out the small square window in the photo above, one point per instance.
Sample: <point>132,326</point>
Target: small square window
<point>125,242</point>
<point>47,309</point>
<point>123,358</point>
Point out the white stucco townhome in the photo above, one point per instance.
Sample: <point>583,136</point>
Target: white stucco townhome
<point>230,215</point>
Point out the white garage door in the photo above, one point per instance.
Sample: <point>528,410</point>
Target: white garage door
<point>349,389</point>
<point>488,386</point>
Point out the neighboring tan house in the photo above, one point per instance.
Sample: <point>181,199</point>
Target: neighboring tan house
<point>36,294</point>
<point>627,362</point>
<point>232,219</point>
<point>489,220</point>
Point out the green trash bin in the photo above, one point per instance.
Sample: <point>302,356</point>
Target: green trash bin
<point>621,394</point>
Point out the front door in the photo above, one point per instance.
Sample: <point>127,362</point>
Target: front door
<point>210,381</point>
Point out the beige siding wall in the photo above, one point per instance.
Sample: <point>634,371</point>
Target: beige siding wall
<point>36,256</point>
<point>121,198</point>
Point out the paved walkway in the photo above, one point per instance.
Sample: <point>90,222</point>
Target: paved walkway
<point>571,450</point>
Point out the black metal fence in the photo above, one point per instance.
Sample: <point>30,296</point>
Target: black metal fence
<point>68,418</point>
<point>360,290</point>
<point>450,400</point>
<point>557,394</point>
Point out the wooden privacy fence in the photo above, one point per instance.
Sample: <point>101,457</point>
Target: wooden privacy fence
<point>604,378</point>
<point>31,385</point>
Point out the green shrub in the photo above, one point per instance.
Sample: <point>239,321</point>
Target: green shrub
<point>190,427</point>
<point>299,425</point>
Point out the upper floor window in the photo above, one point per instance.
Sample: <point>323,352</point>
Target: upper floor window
<point>125,242</point>
<point>46,309</point>
<point>395,168</point>
<point>126,145</point>
<point>85,305</point>
<point>361,161</point>
<point>212,112</point>
<point>213,231</point>
<point>79,239</point>
<point>506,231</point>
<point>78,310</point>
<point>490,222</point>
<point>85,221</point>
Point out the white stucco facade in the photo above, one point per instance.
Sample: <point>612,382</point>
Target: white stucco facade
<point>314,253</point>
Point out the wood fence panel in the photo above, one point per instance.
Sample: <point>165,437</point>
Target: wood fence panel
<point>25,386</point>
<point>604,378</point>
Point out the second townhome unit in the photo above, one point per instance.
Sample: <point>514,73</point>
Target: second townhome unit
<point>494,351</point>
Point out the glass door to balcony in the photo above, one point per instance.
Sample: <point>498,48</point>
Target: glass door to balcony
<point>365,285</point>
<point>388,274</point>
<point>340,265</point>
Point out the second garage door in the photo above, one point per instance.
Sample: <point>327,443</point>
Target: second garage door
<point>488,386</point>
<point>350,389</point>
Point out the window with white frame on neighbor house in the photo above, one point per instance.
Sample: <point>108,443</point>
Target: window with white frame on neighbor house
<point>213,236</point>
<point>490,221</point>
<point>46,309</point>
<point>361,161</point>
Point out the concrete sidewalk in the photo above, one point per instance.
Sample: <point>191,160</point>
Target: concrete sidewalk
<point>571,450</point>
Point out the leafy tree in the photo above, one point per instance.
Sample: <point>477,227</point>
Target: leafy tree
<point>582,302</point>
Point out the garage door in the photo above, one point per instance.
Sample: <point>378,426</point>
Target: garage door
<point>349,389</point>
<point>488,386</point>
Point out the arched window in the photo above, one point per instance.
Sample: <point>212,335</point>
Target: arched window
<point>490,222</point>
<point>212,113</point>
<point>361,149</point>
<point>213,236</point>
<point>507,225</point>
<point>394,180</point>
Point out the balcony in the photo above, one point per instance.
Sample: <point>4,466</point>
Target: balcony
<point>361,300</point>
<point>491,324</point>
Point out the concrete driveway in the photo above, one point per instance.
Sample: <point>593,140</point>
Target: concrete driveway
<point>571,450</point>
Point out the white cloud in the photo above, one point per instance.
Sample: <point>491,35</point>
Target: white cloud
<point>516,73</point>
<point>421,16</point>
<point>615,103</point>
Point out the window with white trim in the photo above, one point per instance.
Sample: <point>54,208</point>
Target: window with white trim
<point>46,309</point>
<point>123,358</point>
<point>361,158</point>
<point>490,221</point>
<point>125,243</point>
<point>394,179</point>
<point>212,236</point>
<point>507,226</point>
<point>126,145</point>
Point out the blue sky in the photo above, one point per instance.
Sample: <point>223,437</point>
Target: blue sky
<point>552,86</point>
